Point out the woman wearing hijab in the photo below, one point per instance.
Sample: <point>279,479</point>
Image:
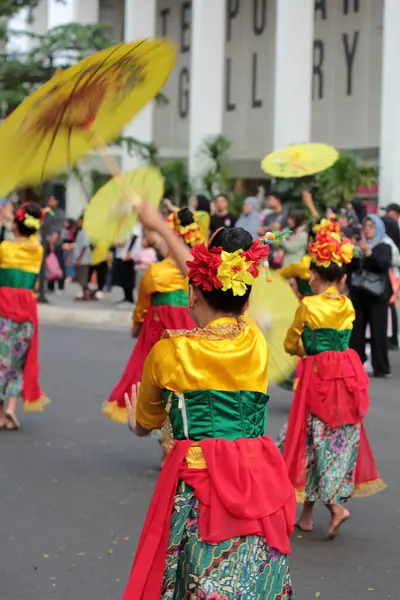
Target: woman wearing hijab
<point>251,217</point>
<point>370,292</point>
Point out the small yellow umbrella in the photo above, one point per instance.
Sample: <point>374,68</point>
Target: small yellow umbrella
<point>80,109</point>
<point>110,215</point>
<point>272,307</point>
<point>300,160</point>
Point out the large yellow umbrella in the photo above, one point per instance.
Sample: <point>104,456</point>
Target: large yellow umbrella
<point>80,109</point>
<point>272,307</point>
<point>300,160</point>
<point>110,215</point>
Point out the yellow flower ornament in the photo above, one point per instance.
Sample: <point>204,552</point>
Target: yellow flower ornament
<point>233,273</point>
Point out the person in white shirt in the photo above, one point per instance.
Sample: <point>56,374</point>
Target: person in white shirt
<point>124,266</point>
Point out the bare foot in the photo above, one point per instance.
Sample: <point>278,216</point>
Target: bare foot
<point>305,525</point>
<point>339,516</point>
<point>305,522</point>
<point>12,421</point>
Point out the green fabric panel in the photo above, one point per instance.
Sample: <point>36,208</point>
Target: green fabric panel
<point>324,339</point>
<point>303,286</point>
<point>177,298</point>
<point>16,278</point>
<point>218,414</point>
<point>241,567</point>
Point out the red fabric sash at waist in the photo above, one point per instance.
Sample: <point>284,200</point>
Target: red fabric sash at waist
<point>333,386</point>
<point>244,491</point>
<point>20,305</point>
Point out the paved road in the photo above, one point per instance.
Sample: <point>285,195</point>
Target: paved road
<point>74,489</point>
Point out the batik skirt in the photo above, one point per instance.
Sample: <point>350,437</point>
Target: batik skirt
<point>331,458</point>
<point>241,568</point>
<point>15,340</point>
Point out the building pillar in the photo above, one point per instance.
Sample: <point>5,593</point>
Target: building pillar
<point>293,72</point>
<point>389,180</point>
<point>207,81</point>
<point>140,23</point>
<point>86,12</point>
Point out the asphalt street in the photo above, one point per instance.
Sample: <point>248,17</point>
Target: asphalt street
<point>74,489</point>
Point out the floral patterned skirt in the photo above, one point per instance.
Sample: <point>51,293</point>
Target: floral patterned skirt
<point>15,339</point>
<point>241,568</point>
<point>331,457</point>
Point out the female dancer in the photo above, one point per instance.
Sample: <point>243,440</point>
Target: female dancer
<point>20,262</point>
<point>326,448</point>
<point>223,510</point>
<point>161,305</point>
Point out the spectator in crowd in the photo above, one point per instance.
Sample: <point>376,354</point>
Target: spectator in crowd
<point>370,292</point>
<point>100,268</point>
<point>393,239</point>
<point>277,218</point>
<point>393,211</point>
<point>52,230</point>
<point>222,216</point>
<point>250,218</point>
<point>124,274</point>
<point>82,261</point>
<point>6,220</point>
<point>359,208</point>
<point>143,257</point>
<point>68,236</point>
<point>295,245</point>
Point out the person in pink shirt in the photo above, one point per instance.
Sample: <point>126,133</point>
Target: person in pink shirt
<point>144,257</point>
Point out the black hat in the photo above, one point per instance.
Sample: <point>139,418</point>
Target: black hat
<point>394,207</point>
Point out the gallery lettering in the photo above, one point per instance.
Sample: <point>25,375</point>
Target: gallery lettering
<point>256,26</point>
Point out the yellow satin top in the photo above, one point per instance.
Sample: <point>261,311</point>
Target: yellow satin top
<point>25,254</point>
<point>190,362</point>
<point>299,269</point>
<point>203,219</point>
<point>330,310</point>
<point>163,276</point>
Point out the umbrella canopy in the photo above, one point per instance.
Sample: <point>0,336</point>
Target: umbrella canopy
<point>110,215</point>
<point>80,109</point>
<point>300,160</point>
<point>272,307</point>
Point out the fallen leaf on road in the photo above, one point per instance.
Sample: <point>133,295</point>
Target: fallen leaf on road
<point>46,556</point>
<point>110,552</point>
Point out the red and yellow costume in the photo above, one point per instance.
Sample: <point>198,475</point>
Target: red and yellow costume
<point>20,263</point>
<point>326,449</point>
<point>223,490</point>
<point>162,304</point>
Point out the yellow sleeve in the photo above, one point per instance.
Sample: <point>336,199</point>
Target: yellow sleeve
<point>299,269</point>
<point>293,342</point>
<point>289,272</point>
<point>161,361</point>
<point>144,297</point>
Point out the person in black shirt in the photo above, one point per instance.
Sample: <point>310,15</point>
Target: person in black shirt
<point>278,218</point>
<point>222,217</point>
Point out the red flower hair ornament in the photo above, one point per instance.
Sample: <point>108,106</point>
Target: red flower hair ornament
<point>213,268</point>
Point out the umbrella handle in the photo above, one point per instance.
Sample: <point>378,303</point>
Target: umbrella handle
<point>115,171</point>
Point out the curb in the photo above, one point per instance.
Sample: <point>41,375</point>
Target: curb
<point>81,316</point>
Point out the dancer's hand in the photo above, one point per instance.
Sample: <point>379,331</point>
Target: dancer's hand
<point>130,404</point>
<point>150,217</point>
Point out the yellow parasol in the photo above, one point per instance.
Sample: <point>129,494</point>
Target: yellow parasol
<point>109,216</point>
<point>300,160</point>
<point>80,109</point>
<point>272,307</point>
